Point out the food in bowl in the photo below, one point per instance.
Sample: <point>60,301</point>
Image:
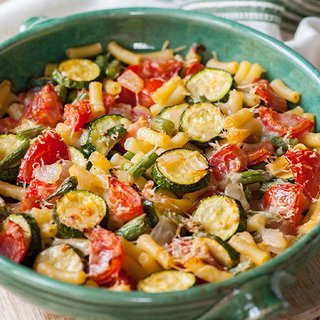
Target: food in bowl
<point>153,171</point>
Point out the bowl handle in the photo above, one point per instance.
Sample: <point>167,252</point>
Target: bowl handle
<point>33,22</point>
<point>258,298</point>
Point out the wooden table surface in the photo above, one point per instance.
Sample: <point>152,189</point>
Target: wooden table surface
<point>304,298</point>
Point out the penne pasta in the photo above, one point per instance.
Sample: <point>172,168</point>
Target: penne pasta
<point>123,54</point>
<point>89,50</point>
<point>96,101</point>
<point>231,66</point>
<point>242,72</point>
<point>284,91</point>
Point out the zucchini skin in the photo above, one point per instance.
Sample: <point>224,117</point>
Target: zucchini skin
<point>67,185</point>
<point>65,232</point>
<point>165,183</point>
<point>68,83</point>
<point>134,228</point>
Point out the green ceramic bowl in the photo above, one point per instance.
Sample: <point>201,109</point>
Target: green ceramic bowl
<point>251,295</point>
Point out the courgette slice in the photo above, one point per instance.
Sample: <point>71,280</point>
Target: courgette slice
<point>173,113</point>
<point>12,150</point>
<point>77,157</point>
<point>181,170</point>
<point>221,251</point>
<point>31,235</point>
<point>105,132</point>
<point>80,210</point>
<point>61,262</point>
<point>213,84</point>
<point>202,122</point>
<point>164,281</point>
<point>76,73</point>
<point>134,228</point>
<point>221,216</point>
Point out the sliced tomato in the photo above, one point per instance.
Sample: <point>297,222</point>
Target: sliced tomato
<point>305,167</point>
<point>258,152</point>
<point>284,124</point>
<point>37,192</point>
<point>150,86</point>
<point>270,98</point>
<point>287,202</point>
<point>125,201</point>
<point>106,255</point>
<point>227,159</point>
<point>7,125</point>
<point>12,242</point>
<point>128,97</point>
<point>77,115</point>
<point>45,108</point>
<point>193,68</point>
<point>164,70</point>
<point>46,149</point>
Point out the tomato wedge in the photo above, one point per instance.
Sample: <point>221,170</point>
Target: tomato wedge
<point>106,255</point>
<point>37,192</point>
<point>258,152</point>
<point>284,124</point>
<point>228,159</point>
<point>125,201</point>
<point>45,108</point>
<point>287,202</point>
<point>12,242</point>
<point>46,149</point>
<point>305,167</point>
<point>77,115</point>
<point>193,68</point>
<point>164,70</point>
<point>270,98</point>
<point>126,96</point>
<point>150,86</point>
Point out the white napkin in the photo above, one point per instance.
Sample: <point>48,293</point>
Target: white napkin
<point>306,41</point>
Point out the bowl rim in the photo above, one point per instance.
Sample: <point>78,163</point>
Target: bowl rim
<point>31,278</point>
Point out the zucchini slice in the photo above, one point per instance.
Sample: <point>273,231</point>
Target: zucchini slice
<point>105,132</point>
<point>9,175</point>
<point>61,262</point>
<point>134,228</point>
<point>221,251</point>
<point>164,281</point>
<point>221,216</point>
<point>31,235</point>
<point>80,210</point>
<point>76,73</point>
<point>12,150</point>
<point>173,113</point>
<point>202,122</point>
<point>213,84</point>
<point>181,170</point>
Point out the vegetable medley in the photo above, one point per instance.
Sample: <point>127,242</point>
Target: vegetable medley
<point>153,171</point>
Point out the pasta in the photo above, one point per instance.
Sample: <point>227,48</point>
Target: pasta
<point>153,171</point>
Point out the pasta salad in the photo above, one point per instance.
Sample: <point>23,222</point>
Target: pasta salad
<point>153,171</point>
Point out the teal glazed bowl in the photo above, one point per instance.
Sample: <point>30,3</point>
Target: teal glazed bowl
<point>255,294</point>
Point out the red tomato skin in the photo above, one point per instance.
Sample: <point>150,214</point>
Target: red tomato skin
<point>305,167</point>
<point>164,70</point>
<point>228,159</point>
<point>12,242</point>
<point>46,149</point>
<point>284,124</point>
<point>128,97</point>
<point>270,97</point>
<point>287,201</point>
<point>194,68</point>
<point>258,152</point>
<point>77,115</point>
<point>109,101</point>
<point>37,192</point>
<point>106,255</point>
<point>45,108</point>
<point>150,86</point>
<point>125,201</point>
